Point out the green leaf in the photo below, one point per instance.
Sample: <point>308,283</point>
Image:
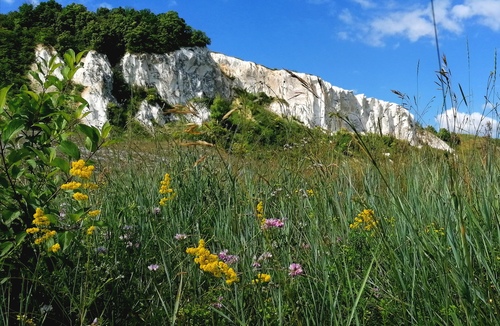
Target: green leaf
<point>9,217</point>
<point>80,55</point>
<point>20,237</point>
<point>105,130</point>
<point>44,127</point>
<point>3,97</point>
<point>15,171</point>
<point>12,129</point>
<point>69,148</point>
<point>65,239</point>
<point>52,218</point>
<point>18,155</point>
<point>36,76</point>
<point>60,163</point>
<point>41,155</point>
<point>5,248</point>
<point>52,153</point>
<point>69,58</point>
<point>92,134</point>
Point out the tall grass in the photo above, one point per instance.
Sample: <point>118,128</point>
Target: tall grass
<point>410,269</point>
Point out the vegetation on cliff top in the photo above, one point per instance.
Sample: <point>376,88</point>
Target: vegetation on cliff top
<point>109,31</point>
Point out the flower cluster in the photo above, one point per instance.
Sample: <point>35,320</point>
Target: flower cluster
<point>365,219</point>
<point>80,169</point>
<point>228,259</point>
<point>42,231</point>
<point>165,190</point>
<point>210,263</point>
<point>434,229</point>
<point>260,211</point>
<point>258,261</point>
<point>295,270</point>
<point>268,223</point>
<point>262,278</point>
<point>305,192</point>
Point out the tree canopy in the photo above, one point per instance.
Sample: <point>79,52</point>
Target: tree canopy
<point>109,31</point>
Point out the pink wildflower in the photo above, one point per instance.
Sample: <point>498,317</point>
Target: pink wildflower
<point>295,269</point>
<point>153,267</point>
<point>228,259</point>
<point>180,236</point>
<point>272,223</point>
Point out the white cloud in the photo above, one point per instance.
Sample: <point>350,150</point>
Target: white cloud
<point>8,1</point>
<point>375,24</point>
<point>469,123</point>
<point>365,3</point>
<point>412,25</point>
<point>487,12</point>
<point>345,16</point>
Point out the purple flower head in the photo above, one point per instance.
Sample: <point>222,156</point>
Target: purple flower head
<point>228,259</point>
<point>295,269</point>
<point>272,223</point>
<point>265,255</point>
<point>180,236</point>
<point>153,267</point>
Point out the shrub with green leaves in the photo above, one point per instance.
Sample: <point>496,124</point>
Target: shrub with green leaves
<point>42,159</point>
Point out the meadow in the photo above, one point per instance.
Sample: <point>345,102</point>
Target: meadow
<point>158,230</point>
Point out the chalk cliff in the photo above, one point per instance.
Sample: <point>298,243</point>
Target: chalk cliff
<point>192,73</point>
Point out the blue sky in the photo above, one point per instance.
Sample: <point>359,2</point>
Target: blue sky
<point>368,46</point>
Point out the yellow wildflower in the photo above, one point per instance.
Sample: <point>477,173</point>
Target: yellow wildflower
<point>40,219</point>
<point>32,230</point>
<point>80,196</point>
<point>164,200</point>
<point>165,185</point>
<point>366,219</point>
<point>310,192</point>
<point>210,263</point>
<point>90,230</point>
<point>55,248</point>
<point>166,190</point>
<point>262,278</point>
<point>94,213</point>
<point>260,212</point>
<point>80,169</point>
<point>90,185</point>
<point>71,185</point>
<point>47,234</point>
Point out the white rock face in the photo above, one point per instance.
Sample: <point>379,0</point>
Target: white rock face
<point>191,73</point>
<point>97,77</point>
<point>179,76</point>
<point>317,103</point>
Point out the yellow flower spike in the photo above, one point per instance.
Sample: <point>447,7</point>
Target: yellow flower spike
<point>90,185</point>
<point>94,213</point>
<point>55,248</point>
<point>90,230</point>
<point>262,278</point>
<point>80,169</point>
<point>79,196</point>
<point>32,230</point>
<point>71,185</point>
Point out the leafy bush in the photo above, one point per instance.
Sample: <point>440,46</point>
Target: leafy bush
<point>41,162</point>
